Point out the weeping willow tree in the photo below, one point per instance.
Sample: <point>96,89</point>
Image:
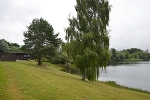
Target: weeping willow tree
<point>88,31</point>
<point>67,50</point>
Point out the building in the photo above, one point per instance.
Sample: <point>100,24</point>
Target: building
<point>16,56</point>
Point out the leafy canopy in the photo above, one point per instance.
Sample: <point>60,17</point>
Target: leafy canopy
<point>3,47</point>
<point>9,47</point>
<point>88,35</point>
<point>40,39</point>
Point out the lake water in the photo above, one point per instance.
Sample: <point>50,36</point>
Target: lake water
<point>135,75</point>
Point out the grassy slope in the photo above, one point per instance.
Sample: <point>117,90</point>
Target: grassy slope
<point>27,81</point>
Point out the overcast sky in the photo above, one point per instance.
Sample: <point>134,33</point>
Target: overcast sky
<point>129,20</point>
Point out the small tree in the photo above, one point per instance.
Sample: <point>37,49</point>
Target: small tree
<point>3,47</point>
<point>40,39</point>
<point>68,52</point>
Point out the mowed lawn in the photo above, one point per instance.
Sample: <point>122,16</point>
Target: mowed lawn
<point>27,81</point>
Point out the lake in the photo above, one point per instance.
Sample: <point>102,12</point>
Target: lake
<point>135,75</point>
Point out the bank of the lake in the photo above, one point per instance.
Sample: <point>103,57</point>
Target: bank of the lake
<point>135,74</point>
<point>26,80</point>
<point>132,60</point>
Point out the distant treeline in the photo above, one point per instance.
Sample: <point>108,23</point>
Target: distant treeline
<point>133,54</point>
<point>116,56</point>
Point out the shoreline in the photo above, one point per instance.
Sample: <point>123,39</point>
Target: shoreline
<point>114,84</point>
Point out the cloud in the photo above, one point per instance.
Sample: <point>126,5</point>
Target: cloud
<point>129,20</point>
<point>57,13</point>
<point>130,24</point>
<point>17,14</point>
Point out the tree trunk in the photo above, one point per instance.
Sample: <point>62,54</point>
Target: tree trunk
<point>70,66</point>
<point>83,77</point>
<point>39,61</point>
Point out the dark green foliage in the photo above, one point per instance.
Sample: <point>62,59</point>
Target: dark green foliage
<point>133,54</point>
<point>145,55</point>
<point>133,50</point>
<point>3,47</point>
<point>68,53</point>
<point>117,56</point>
<point>40,39</point>
<point>80,63</point>
<point>58,59</point>
<point>126,55</point>
<point>11,47</point>
<point>14,49</point>
<point>88,37</point>
<point>15,45</point>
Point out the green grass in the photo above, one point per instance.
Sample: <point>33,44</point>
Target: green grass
<point>132,60</point>
<point>27,81</point>
<point>3,85</point>
<point>114,84</point>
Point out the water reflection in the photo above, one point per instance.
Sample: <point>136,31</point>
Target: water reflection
<point>134,75</point>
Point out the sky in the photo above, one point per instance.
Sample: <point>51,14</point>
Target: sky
<point>129,20</point>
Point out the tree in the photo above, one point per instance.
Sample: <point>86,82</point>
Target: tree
<point>88,35</point>
<point>59,58</point>
<point>40,39</point>
<point>12,47</point>
<point>68,50</point>
<point>126,55</point>
<point>113,54</point>
<point>3,47</point>
<point>116,56</point>
<point>146,55</point>
<point>133,50</point>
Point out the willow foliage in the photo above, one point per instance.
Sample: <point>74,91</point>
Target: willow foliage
<point>88,31</point>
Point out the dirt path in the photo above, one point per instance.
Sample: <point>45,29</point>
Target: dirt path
<point>12,87</point>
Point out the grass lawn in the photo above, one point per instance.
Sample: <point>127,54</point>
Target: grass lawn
<point>27,81</point>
